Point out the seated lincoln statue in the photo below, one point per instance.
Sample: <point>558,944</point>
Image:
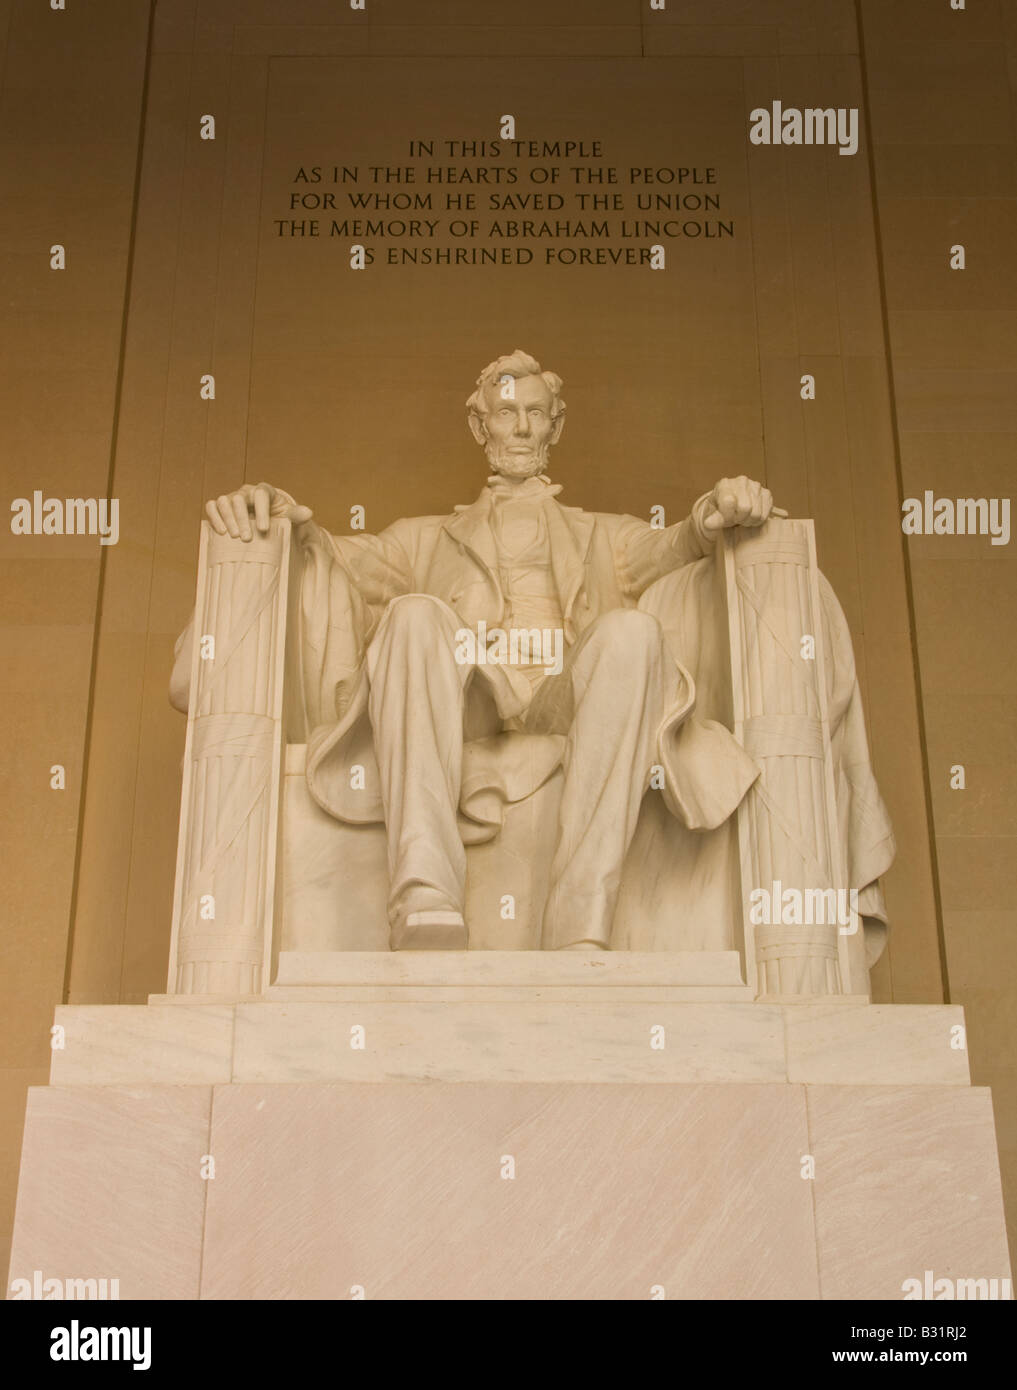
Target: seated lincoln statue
<point>436,649</point>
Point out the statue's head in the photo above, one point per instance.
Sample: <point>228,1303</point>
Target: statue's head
<point>516,413</point>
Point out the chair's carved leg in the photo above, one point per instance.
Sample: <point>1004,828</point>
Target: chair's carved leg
<point>224,896</point>
<point>787,825</point>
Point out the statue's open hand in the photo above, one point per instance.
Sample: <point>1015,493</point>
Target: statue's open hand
<point>736,502</point>
<point>231,513</point>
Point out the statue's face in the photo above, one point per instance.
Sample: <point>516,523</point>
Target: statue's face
<point>519,432</point>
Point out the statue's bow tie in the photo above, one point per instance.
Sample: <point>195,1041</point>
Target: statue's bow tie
<point>539,488</point>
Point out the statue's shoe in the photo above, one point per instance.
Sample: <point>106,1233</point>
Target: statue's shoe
<point>583,946</point>
<point>437,930</point>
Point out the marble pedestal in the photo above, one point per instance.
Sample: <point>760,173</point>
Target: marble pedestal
<point>509,1126</point>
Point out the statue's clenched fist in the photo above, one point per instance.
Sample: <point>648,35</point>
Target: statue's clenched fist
<point>737,502</point>
<point>231,513</point>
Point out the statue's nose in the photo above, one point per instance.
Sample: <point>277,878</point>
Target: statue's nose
<point>522,423</point>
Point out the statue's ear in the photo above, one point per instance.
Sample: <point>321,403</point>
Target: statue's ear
<point>559,425</point>
<point>477,428</point>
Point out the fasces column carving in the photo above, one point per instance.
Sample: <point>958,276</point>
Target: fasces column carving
<point>224,898</point>
<point>787,824</point>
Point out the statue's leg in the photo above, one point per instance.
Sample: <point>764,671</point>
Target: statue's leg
<point>416,711</point>
<point>619,683</point>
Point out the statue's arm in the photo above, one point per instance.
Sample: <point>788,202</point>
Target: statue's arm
<point>347,580</point>
<point>379,566</point>
<point>644,553</point>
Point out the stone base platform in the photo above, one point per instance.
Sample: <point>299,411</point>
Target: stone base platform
<point>573,1134</point>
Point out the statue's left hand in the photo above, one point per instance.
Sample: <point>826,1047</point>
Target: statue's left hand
<point>736,502</point>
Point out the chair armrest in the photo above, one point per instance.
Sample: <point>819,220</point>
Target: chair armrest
<point>224,895</point>
<point>788,830</point>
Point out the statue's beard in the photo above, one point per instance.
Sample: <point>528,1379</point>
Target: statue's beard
<point>511,465</point>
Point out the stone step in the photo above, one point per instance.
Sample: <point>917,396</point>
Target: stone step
<point>590,1040</point>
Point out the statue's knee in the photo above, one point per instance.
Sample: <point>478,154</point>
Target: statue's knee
<point>630,632</point>
<point>417,616</point>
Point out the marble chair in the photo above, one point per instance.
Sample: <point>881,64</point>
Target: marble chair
<point>264,874</point>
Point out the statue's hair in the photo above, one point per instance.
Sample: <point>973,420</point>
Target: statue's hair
<point>515,364</point>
